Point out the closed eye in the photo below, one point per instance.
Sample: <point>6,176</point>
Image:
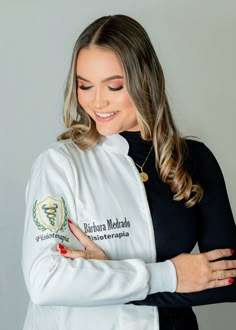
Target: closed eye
<point>85,88</point>
<point>115,88</point>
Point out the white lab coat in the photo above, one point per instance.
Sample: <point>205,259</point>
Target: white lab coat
<point>101,191</point>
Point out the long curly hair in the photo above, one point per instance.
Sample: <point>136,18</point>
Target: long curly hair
<point>145,84</point>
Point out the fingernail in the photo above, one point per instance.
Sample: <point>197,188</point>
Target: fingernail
<point>63,251</point>
<point>231,280</point>
<point>60,246</point>
<point>232,251</point>
<point>69,221</point>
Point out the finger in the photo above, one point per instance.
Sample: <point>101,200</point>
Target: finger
<point>64,248</point>
<point>72,254</point>
<point>218,254</point>
<point>60,247</point>
<point>223,274</point>
<point>220,283</point>
<point>223,264</point>
<point>82,237</point>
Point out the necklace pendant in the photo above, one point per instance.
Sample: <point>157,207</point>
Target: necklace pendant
<point>143,176</point>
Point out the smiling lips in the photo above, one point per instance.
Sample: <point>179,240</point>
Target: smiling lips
<point>105,116</point>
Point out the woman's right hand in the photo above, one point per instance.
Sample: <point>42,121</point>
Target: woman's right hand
<point>197,272</point>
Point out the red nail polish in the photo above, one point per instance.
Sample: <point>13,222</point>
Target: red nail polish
<point>232,251</point>
<point>69,221</point>
<point>63,251</point>
<point>60,246</point>
<point>231,280</point>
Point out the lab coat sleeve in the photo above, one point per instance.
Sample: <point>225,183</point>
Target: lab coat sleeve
<point>52,279</point>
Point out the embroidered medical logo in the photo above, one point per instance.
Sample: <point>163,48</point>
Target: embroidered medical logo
<point>51,214</point>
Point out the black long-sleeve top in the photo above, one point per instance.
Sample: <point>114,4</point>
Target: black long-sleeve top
<point>177,229</point>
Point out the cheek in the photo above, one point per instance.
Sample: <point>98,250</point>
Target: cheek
<point>80,97</point>
<point>83,99</point>
<point>124,101</point>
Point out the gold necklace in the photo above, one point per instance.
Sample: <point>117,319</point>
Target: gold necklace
<point>143,175</point>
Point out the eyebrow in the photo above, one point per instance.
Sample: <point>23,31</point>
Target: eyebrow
<point>104,80</point>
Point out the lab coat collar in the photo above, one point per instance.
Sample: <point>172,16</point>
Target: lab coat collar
<point>115,143</point>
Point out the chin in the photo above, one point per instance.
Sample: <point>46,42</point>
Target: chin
<point>107,132</point>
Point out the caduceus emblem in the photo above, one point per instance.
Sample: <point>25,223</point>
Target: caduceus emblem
<point>50,213</point>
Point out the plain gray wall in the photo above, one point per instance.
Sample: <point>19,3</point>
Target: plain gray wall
<point>195,42</point>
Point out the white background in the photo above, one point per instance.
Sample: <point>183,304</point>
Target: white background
<point>195,42</point>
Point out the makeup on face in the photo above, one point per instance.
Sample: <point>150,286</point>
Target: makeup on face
<point>102,93</point>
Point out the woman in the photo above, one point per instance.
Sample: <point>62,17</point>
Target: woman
<point>139,196</point>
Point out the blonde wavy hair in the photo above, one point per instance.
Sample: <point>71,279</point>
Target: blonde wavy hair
<point>145,83</point>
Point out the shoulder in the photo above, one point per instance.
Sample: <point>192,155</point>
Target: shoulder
<point>197,152</point>
<point>201,162</point>
<point>197,148</point>
<point>58,154</point>
<point>64,148</point>
<point>53,168</point>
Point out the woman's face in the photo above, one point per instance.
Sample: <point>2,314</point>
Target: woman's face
<point>102,93</point>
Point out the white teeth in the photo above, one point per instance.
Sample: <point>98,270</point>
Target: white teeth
<point>105,115</point>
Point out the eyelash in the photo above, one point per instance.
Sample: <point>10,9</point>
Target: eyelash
<point>114,89</point>
<point>85,88</point>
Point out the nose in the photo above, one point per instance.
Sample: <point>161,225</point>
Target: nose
<point>100,99</point>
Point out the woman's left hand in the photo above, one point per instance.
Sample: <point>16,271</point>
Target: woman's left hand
<point>92,250</point>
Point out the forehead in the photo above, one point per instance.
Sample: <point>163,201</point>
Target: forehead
<point>97,61</point>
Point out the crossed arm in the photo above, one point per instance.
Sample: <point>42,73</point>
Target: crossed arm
<point>195,272</point>
<point>45,268</point>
